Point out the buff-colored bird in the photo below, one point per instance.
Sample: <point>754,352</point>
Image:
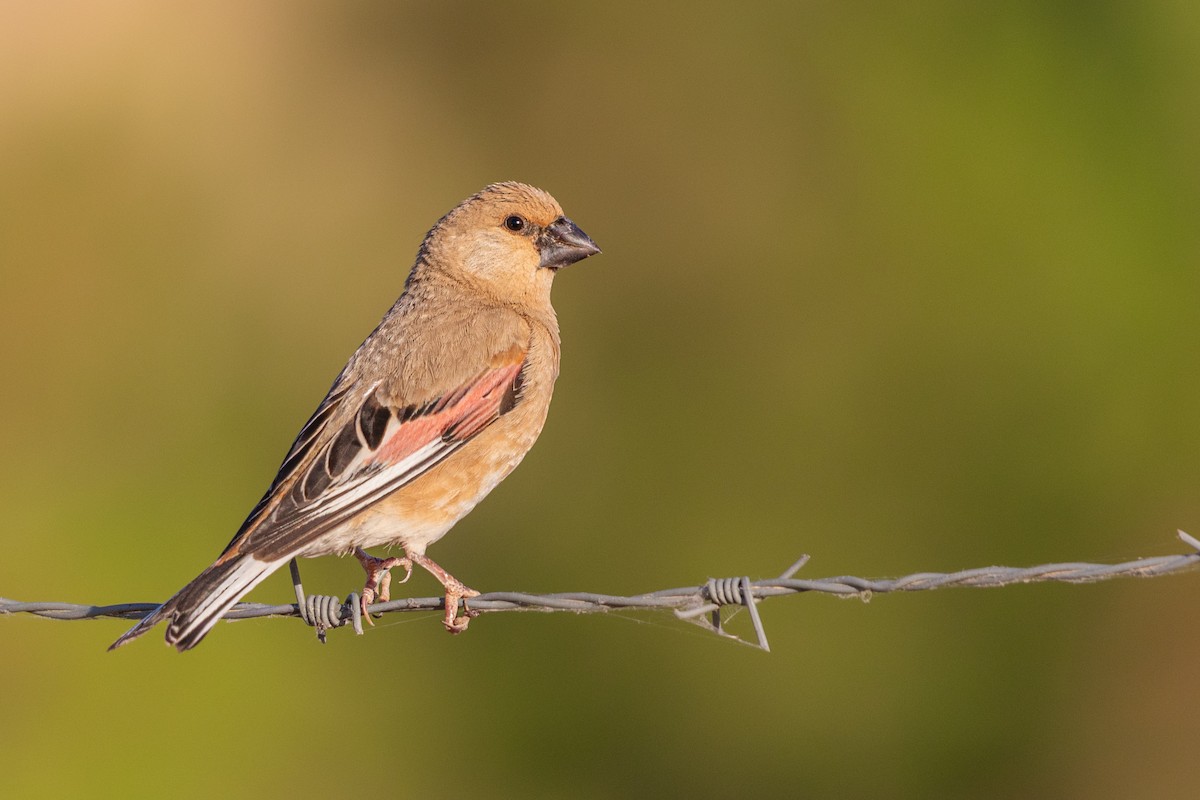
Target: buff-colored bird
<point>437,406</point>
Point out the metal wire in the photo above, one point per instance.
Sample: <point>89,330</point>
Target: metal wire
<point>689,603</point>
<point>322,611</point>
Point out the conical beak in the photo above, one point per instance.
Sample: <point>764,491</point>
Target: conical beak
<point>563,243</point>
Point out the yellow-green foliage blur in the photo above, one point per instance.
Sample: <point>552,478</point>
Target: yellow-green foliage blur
<point>906,287</point>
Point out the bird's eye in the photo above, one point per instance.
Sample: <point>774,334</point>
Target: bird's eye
<point>515,223</point>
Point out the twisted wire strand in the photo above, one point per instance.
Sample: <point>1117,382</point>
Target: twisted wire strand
<point>688,602</point>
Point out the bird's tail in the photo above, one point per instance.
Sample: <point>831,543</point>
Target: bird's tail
<point>197,607</point>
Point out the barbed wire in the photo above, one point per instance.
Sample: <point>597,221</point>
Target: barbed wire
<point>689,603</point>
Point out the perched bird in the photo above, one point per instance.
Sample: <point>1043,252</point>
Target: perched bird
<point>436,407</point>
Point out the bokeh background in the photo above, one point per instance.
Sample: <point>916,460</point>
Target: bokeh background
<point>905,288</point>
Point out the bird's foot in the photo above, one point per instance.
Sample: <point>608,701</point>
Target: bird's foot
<point>453,622</point>
<point>379,577</point>
<point>455,590</point>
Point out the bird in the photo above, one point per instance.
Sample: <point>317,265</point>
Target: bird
<point>437,406</point>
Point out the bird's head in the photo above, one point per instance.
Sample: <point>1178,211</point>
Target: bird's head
<point>509,240</point>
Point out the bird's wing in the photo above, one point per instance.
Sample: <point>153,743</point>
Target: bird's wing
<point>335,471</point>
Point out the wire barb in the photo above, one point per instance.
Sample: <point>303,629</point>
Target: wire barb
<point>1189,540</point>
<point>727,592</point>
<point>323,611</point>
<point>689,602</point>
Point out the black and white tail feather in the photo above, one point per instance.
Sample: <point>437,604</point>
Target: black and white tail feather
<point>199,606</point>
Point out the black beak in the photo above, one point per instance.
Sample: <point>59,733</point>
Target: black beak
<point>563,243</point>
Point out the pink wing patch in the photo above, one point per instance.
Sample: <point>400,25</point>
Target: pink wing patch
<point>456,417</point>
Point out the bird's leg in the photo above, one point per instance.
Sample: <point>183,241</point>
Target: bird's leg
<point>379,577</point>
<point>455,590</point>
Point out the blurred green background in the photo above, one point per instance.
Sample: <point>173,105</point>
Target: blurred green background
<point>906,289</point>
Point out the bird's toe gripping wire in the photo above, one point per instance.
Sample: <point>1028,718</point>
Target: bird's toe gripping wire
<point>379,577</point>
<point>456,590</point>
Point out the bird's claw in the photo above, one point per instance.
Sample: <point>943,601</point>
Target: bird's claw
<point>379,578</point>
<point>454,622</point>
<point>455,590</point>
